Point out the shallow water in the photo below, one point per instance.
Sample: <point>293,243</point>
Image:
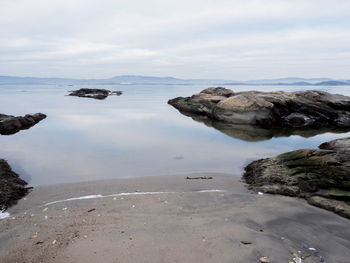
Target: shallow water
<point>136,134</point>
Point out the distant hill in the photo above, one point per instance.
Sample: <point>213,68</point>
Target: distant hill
<point>125,79</point>
<point>333,83</point>
<point>292,80</point>
<point>150,80</point>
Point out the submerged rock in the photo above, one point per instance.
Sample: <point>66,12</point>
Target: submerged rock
<point>99,94</point>
<point>321,176</point>
<point>12,188</point>
<point>269,109</point>
<point>11,124</point>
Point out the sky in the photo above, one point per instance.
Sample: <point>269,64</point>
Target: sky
<point>214,39</point>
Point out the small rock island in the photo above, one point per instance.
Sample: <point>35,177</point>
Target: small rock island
<point>321,176</point>
<point>99,94</point>
<point>269,109</point>
<point>10,124</point>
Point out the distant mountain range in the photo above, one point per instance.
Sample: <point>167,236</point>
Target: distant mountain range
<point>148,80</point>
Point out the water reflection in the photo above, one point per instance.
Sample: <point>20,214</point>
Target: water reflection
<point>253,133</point>
<point>136,134</point>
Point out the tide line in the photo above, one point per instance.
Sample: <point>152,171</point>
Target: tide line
<point>4,215</point>
<point>86,197</point>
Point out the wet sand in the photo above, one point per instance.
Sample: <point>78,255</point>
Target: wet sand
<point>169,219</point>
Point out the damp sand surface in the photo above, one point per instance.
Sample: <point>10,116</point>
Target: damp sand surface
<point>169,219</point>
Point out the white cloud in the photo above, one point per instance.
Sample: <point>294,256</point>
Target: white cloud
<point>216,39</point>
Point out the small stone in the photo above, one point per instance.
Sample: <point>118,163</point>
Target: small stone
<point>54,242</point>
<point>265,260</point>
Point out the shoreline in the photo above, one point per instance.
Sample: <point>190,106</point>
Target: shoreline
<point>168,219</point>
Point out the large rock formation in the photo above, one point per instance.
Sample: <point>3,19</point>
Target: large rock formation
<point>269,109</point>
<point>322,176</point>
<point>99,94</point>
<point>12,188</point>
<point>11,124</point>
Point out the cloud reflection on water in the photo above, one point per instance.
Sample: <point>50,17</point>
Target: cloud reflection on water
<point>136,134</point>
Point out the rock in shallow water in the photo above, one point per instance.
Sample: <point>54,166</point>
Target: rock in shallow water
<point>12,187</point>
<point>11,124</point>
<point>269,109</point>
<point>322,176</point>
<point>99,94</point>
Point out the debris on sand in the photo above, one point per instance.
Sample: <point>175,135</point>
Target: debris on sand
<point>265,260</point>
<point>199,178</point>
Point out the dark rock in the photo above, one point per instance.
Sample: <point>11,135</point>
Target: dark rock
<point>269,109</point>
<point>12,188</point>
<point>322,176</point>
<point>11,124</point>
<point>99,94</point>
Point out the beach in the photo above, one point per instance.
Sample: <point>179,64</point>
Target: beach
<point>169,219</point>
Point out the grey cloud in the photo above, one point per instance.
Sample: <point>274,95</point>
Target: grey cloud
<point>208,39</point>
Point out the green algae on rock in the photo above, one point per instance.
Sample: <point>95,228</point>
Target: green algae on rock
<point>321,176</point>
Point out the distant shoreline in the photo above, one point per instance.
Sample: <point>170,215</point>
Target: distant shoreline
<point>126,80</point>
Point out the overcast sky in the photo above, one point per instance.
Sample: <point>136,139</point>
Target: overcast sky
<point>230,39</point>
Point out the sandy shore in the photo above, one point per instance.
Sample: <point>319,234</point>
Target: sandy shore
<point>168,219</point>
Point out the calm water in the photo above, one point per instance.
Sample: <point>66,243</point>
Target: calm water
<point>136,134</point>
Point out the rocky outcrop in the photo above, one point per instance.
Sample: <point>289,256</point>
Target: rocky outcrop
<point>99,94</point>
<point>269,109</point>
<point>11,124</point>
<point>12,188</point>
<point>321,176</point>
